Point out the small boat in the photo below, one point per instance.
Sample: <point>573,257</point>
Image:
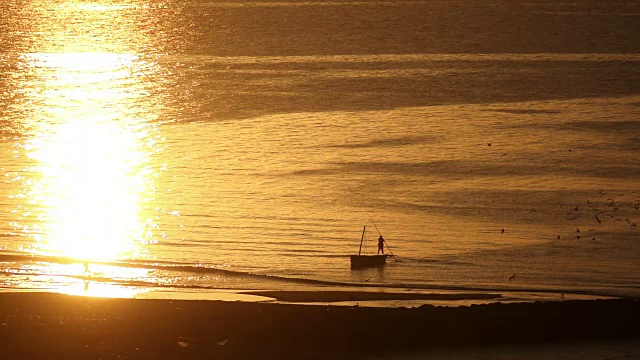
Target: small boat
<point>367,261</point>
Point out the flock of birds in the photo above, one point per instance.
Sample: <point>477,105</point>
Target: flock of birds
<point>615,207</point>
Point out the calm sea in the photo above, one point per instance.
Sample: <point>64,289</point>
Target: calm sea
<point>191,146</point>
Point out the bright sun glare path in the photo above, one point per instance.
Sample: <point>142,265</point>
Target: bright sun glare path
<point>106,280</point>
<point>103,290</point>
<point>91,164</point>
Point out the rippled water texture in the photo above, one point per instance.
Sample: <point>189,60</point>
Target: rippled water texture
<point>239,145</point>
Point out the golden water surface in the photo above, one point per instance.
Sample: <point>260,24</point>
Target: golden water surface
<point>259,137</point>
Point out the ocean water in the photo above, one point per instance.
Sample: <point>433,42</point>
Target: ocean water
<point>192,146</point>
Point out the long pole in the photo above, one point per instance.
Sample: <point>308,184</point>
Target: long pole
<point>362,239</point>
<point>385,242</point>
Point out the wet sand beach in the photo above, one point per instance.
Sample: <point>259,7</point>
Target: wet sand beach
<point>367,296</point>
<point>49,326</point>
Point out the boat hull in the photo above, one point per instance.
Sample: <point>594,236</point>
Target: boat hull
<point>367,261</point>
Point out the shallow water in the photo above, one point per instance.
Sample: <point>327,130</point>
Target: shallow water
<point>194,145</point>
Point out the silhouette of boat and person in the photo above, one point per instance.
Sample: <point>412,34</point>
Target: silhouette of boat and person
<point>361,260</point>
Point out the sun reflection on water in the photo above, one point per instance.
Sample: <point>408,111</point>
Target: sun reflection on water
<point>102,281</point>
<point>91,160</point>
<point>81,179</point>
<point>89,189</point>
<point>95,289</point>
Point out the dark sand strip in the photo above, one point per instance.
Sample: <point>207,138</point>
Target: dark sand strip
<point>338,296</point>
<point>51,326</point>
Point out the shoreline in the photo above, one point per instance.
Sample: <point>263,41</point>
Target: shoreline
<point>384,297</point>
<point>46,325</point>
<point>335,296</point>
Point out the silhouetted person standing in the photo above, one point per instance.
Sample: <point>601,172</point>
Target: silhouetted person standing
<point>86,272</point>
<point>381,245</point>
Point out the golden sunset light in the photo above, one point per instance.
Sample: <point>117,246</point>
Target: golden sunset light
<point>301,179</point>
<point>91,188</point>
<point>91,162</point>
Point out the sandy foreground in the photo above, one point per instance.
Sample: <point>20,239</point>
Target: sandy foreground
<point>53,326</point>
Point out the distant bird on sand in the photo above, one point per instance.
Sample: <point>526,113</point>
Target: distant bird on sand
<point>501,231</point>
<point>511,277</point>
<point>578,237</point>
<point>488,144</point>
<point>577,230</point>
<point>558,237</point>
